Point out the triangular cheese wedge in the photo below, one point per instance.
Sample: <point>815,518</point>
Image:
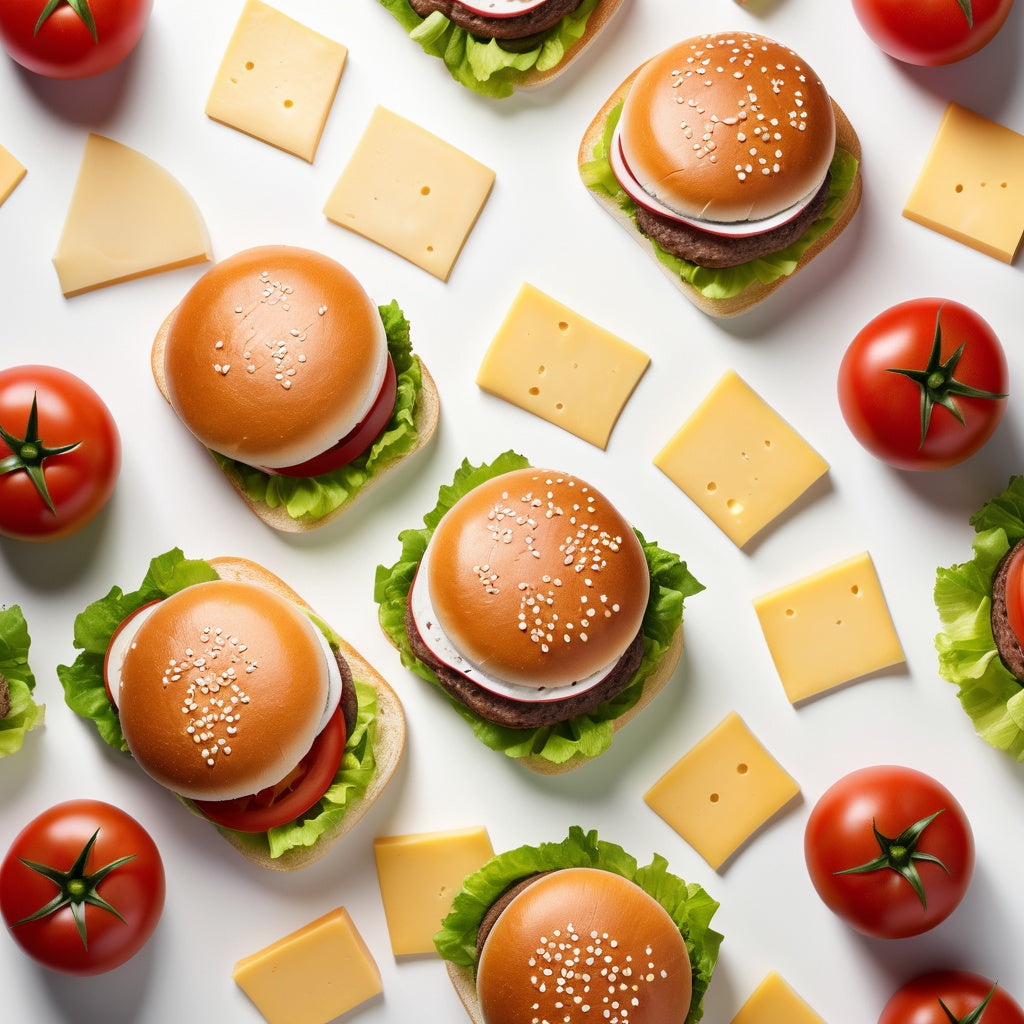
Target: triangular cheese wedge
<point>128,217</point>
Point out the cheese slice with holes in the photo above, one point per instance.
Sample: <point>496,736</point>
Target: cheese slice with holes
<point>411,192</point>
<point>722,791</point>
<point>312,975</point>
<point>11,173</point>
<point>128,217</point>
<point>419,876</point>
<point>775,1002</point>
<point>549,360</point>
<point>738,460</point>
<point>971,187</point>
<point>829,628</point>
<point>277,80</point>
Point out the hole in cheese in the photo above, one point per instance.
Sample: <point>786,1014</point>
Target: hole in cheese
<point>714,798</point>
<point>541,370</point>
<point>855,590</point>
<point>425,190</point>
<point>249,65</point>
<point>288,104</point>
<point>742,768</point>
<point>767,442</point>
<point>734,506</point>
<point>563,326</point>
<point>790,612</point>
<point>712,487</point>
<point>534,391</point>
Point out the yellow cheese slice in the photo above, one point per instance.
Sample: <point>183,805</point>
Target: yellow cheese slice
<point>774,1002</point>
<point>411,192</point>
<point>277,80</point>
<point>127,218</point>
<point>11,172</point>
<point>829,628</point>
<point>722,791</point>
<point>738,461</point>
<point>558,365</point>
<point>971,187</point>
<point>313,975</point>
<point>419,876</point>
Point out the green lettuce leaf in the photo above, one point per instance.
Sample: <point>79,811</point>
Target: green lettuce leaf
<point>86,695</point>
<point>690,907</point>
<point>316,497</point>
<point>725,282</point>
<point>481,64</point>
<point>25,714</point>
<point>588,735</point>
<point>989,693</point>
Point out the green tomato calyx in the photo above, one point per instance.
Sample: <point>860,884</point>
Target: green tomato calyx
<point>938,385</point>
<point>29,453</point>
<point>76,888</point>
<point>965,6</point>
<point>82,9</point>
<point>974,1017</point>
<point>901,855</point>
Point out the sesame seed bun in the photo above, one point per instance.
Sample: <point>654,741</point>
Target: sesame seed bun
<point>581,944</point>
<point>537,576</point>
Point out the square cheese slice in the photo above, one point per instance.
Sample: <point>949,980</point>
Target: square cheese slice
<point>722,791</point>
<point>774,1002</point>
<point>738,461</point>
<point>829,628</point>
<point>277,80</point>
<point>411,192</point>
<point>419,876</point>
<point>11,173</point>
<point>560,366</point>
<point>128,217</point>
<point>312,975</point>
<point>971,187</point>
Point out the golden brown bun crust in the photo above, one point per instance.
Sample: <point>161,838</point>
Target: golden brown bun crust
<point>537,576</point>
<point>846,137</point>
<point>588,933</point>
<point>274,355</point>
<point>728,127</point>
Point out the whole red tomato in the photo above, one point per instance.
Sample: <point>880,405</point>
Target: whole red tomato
<point>82,887</point>
<point>889,850</point>
<point>923,385</point>
<point>71,38</point>
<point>951,997</point>
<point>60,453</point>
<point>929,32</point>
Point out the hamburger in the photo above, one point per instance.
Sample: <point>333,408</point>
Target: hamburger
<point>497,46</point>
<point>725,157</point>
<point>227,689</point>
<point>304,391</point>
<point>543,615</point>
<point>576,931</point>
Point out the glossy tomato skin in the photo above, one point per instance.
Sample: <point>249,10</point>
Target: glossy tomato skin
<point>80,482</point>
<point>136,888</point>
<point>883,409</point>
<point>930,32</point>
<point>64,47</point>
<point>839,835</point>
<point>917,1002</point>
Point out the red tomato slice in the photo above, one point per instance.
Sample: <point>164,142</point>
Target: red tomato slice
<point>110,646</point>
<point>293,795</point>
<point>1015,596</point>
<point>357,440</point>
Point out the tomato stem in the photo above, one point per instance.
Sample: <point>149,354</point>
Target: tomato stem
<point>82,9</point>
<point>965,6</point>
<point>974,1017</point>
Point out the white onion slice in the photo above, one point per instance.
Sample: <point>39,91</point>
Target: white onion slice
<point>501,8</point>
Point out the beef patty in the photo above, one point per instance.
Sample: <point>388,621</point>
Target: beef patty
<point>1007,644</point>
<point>520,27</point>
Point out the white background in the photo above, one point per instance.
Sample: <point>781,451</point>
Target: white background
<point>540,225</point>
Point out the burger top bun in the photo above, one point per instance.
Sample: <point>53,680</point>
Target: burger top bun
<point>222,690</point>
<point>274,355</point>
<point>728,127</point>
<point>583,944</point>
<point>535,575</point>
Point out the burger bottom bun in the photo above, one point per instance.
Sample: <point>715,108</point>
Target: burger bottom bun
<point>388,744</point>
<point>846,138</point>
<point>428,411</point>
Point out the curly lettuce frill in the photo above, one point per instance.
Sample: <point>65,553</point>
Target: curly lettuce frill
<point>989,693</point>
<point>725,282</point>
<point>85,693</point>
<point>690,907</point>
<point>24,714</point>
<point>587,735</point>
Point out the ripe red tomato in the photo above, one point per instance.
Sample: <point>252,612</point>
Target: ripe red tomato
<point>889,850</point>
<point>926,1000</point>
<point>923,385</point>
<point>108,870</point>
<point>71,38</point>
<point>60,453</point>
<point>930,32</point>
